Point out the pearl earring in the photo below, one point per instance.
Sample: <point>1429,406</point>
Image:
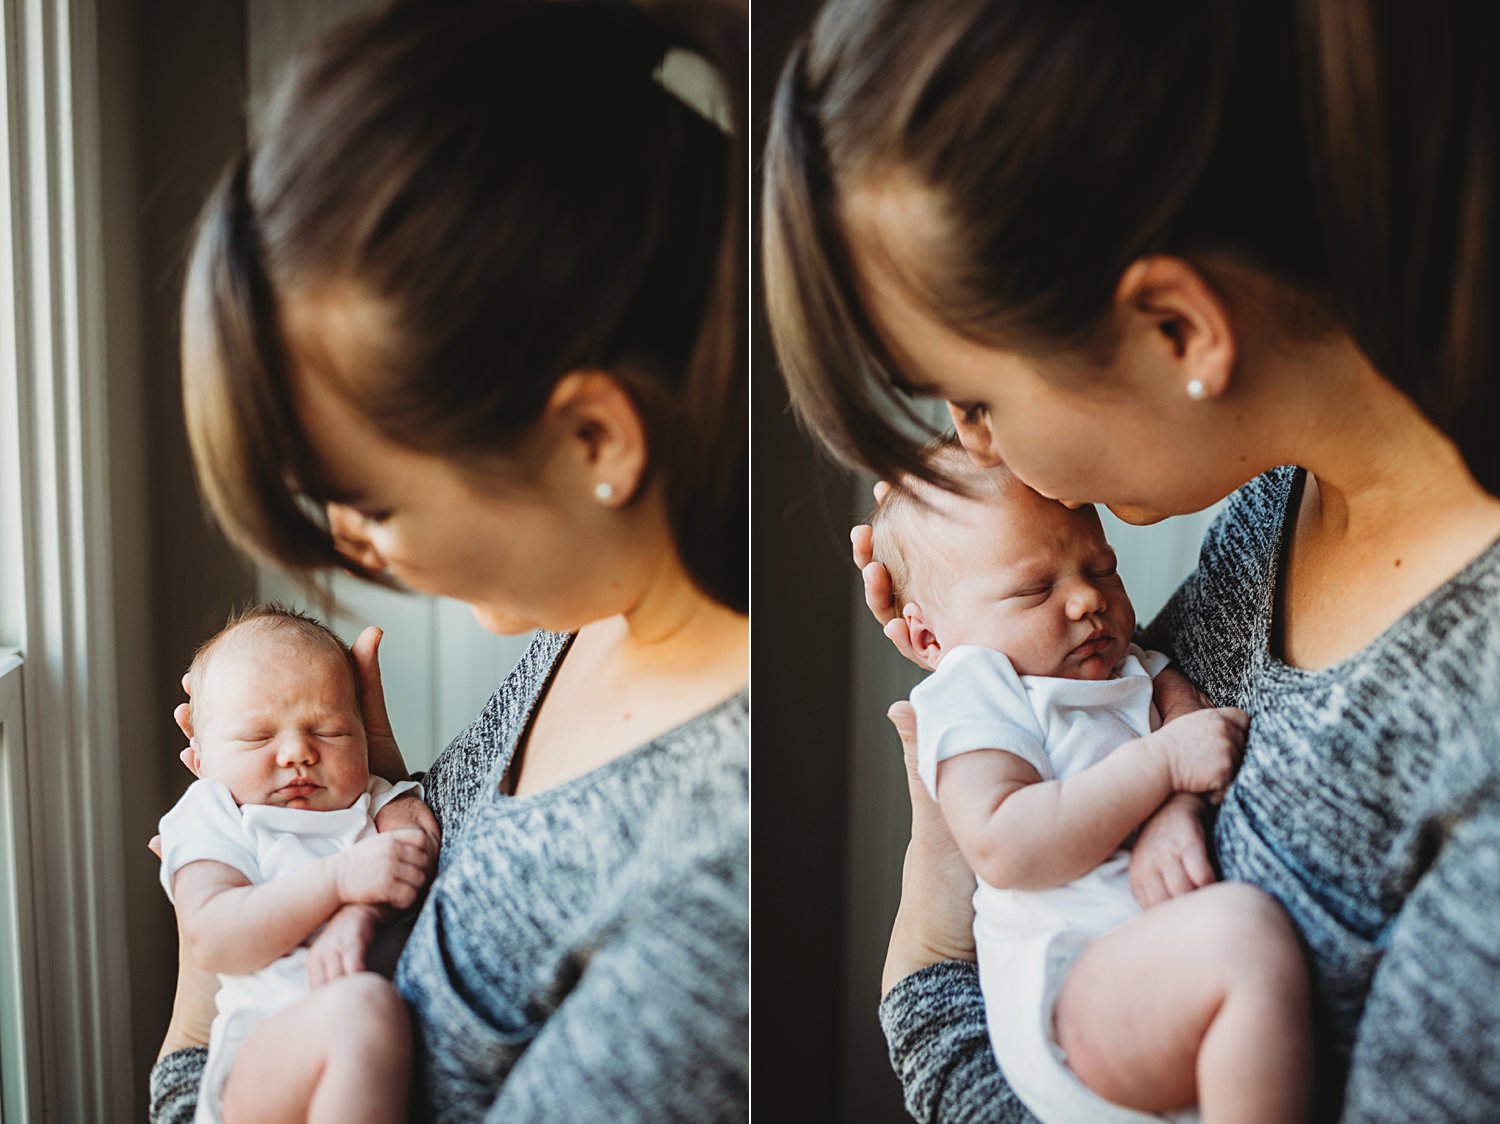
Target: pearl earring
<point>1197,391</point>
<point>604,491</point>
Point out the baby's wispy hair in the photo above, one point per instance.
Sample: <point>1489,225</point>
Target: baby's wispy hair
<point>895,517</point>
<point>271,616</point>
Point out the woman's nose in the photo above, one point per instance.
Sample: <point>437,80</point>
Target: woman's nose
<point>349,538</point>
<point>975,436</point>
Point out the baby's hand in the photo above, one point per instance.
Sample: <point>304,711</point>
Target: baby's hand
<point>1170,856</point>
<point>339,949</point>
<point>386,869</point>
<point>1202,749</point>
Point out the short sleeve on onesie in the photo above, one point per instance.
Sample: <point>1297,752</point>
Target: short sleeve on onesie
<point>975,700</point>
<point>205,824</point>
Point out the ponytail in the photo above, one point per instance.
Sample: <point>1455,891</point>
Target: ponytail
<point>1402,111</point>
<point>521,190</point>
<point>708,489</point>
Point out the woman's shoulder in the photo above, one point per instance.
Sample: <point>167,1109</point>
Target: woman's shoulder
<point>459,771</point>
<point>1222,609</point>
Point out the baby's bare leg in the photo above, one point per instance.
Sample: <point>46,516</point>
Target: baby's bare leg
<point>1203,998</point>
<point>341,1054</point>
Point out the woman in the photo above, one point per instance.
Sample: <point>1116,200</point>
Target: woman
<point>1153,261</point>
<point>469,320</point>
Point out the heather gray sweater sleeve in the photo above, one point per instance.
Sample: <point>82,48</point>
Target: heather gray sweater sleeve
<point>940,1049</point>
<point>1425,1046</point>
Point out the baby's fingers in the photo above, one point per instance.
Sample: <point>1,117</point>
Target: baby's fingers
<point>1236,717</point>
<point>1196,867</point>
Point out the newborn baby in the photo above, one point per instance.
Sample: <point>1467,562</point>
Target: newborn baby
<point>1038,735</point>
<point>282,859</point>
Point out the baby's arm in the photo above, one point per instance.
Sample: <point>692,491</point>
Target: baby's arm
<point>232,927</point>
<point>1170,856</point>
<point>343,945</point>
<point>408,811</point>
<point>1020,832</point>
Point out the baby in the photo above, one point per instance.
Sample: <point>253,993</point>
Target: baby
<point>1038,736</point>
<point>282,858</point>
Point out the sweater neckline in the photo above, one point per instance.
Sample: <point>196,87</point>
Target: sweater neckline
<point>1274,665</point>
<point>601,772</point>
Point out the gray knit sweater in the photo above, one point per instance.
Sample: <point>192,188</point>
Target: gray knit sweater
<point>583,952</point>
<point>1368,804</point>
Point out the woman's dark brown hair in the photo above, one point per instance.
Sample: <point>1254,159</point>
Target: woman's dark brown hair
<point>1345,148</point>
<point>513,191</point>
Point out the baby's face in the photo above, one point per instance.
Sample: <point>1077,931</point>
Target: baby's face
<point>1028,577</point>
<point>280,723</point>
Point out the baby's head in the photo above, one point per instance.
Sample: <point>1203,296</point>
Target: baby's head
<point>1002,567</point>
<point>276,712</point>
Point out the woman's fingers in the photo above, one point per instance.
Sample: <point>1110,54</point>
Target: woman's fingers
<point>385,754</point>
<point>898,634</point>
<point>182,714</point>
<point>862,545</point>
<point>367,659</point>
<point>878,597</point>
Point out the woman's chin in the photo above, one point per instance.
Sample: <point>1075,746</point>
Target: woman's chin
<point>498,623</point>
<point>1135,516</point>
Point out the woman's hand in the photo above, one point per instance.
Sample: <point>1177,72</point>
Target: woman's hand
<point>385,755</point>
<point>877,581</point>
<point>193,1006</point>
<point>935,921</point>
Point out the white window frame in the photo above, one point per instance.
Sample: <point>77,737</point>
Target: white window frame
<point>64,977</point>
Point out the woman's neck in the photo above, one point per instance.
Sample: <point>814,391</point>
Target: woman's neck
<point>1389,511</point>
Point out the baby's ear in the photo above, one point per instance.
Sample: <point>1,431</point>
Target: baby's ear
<point>190,758</point>
<point>924,642</point>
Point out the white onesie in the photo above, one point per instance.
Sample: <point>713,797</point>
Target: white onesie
<point>263,842</point>
<point>1027,939</point>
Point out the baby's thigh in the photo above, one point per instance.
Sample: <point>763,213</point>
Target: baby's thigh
<point>1137,1002</point>
<point>357,1021</point>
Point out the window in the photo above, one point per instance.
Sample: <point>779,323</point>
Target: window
<point>64,1006</point>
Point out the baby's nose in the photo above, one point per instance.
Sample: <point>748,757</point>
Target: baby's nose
<point>1087,598</point>
<point>296,749</point>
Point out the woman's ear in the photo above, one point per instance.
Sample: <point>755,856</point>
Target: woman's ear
<point>602,431</point>
<point>924,642</point>
<point>1187,320</point>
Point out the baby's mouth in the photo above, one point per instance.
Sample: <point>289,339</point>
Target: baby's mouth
<point>1095,644</point>
<point>298,789</point>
